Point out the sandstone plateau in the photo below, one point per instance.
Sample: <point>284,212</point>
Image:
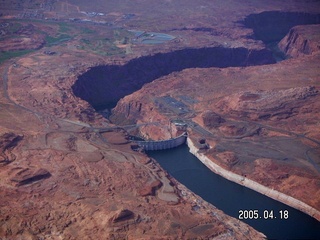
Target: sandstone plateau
<point>67,172</point>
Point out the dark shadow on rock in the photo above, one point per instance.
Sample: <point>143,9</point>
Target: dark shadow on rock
<point>103,86</point>
<point>272,26</point>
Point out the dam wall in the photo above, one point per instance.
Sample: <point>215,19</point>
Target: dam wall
<point>274,194</point>
<point>162,144</point>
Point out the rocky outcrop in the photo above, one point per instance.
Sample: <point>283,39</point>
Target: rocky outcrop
<point>8,141</point>
<point>211,119</point>
<point>301,40</point>
<point>28,176</point>
<point>126,112</point>
<point>31,43</point>
<point>121,215</point>
<point>27,37</point>
<point>149,189</point>
<point>273,104</point>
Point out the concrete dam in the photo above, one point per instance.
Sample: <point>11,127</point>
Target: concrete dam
<point>162,144</point>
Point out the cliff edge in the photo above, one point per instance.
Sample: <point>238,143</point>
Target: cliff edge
<point>301,40</point>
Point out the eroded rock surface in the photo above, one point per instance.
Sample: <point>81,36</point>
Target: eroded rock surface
<point>301,40</point>
<point>28,176</point>
<point>8,141</point>
<point>268,104</point>
<point>67,172</point>
<point>269,111</point>
<point>73,175</point>
<point>25,38</point>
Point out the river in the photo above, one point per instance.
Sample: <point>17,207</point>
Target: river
<point>236,200</point>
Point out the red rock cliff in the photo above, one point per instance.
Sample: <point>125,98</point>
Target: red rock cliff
<point>301,40</point>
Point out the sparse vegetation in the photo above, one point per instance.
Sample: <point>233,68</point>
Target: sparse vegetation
<point>86,30</point>
<point>12,54</point>
<point>100,40</point>
<point>56,40</point>
<point>13,27</point>
<point>64,27</point>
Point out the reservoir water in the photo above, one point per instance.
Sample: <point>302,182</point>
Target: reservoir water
<point>278,221</point>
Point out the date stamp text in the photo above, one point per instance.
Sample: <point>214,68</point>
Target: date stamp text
<point>265,214</point>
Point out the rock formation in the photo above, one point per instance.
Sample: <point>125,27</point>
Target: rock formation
<point>272,118</point>
<point>66,172</point>
<point>268,104</point>
<point>211,119</point>
<point>301,40</point>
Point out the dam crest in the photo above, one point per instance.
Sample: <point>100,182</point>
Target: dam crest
<point>161,144</point>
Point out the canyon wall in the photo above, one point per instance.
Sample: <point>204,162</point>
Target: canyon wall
<point>97,86</point>
<point>288,200</point>
<point>272,26</point>
<point>301,40</point>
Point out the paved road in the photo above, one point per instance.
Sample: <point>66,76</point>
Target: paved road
<point>7,96</point>
<point>202,131</point>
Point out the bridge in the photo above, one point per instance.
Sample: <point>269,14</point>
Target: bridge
<point>162,144</point>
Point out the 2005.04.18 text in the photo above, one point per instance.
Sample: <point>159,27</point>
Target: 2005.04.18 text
<point>266,214</point>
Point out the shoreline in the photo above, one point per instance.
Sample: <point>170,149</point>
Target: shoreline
<point>274,194</point>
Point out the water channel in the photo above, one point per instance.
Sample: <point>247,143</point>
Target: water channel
<point>233,198</point>
<point>103,86</point>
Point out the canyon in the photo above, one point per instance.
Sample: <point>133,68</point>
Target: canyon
<point>68,172</point>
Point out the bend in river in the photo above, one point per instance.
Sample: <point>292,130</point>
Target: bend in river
<point>103,86</point>
<point>97,86</point>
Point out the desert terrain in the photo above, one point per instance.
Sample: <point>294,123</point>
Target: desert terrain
<point>243,78</point>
